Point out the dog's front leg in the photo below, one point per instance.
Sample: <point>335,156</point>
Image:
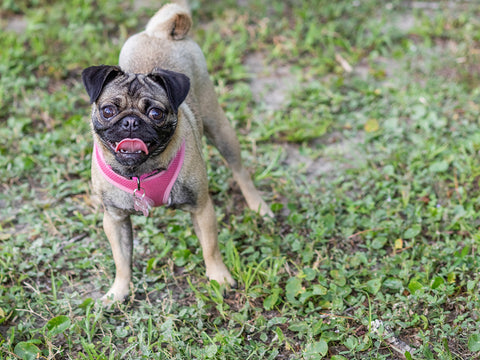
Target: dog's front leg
<point>118,228</point>
<point>205,224</point>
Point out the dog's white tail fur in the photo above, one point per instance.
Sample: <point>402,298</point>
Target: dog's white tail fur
<point>172,21</point>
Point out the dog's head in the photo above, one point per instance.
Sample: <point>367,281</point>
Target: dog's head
<point>134,115</point>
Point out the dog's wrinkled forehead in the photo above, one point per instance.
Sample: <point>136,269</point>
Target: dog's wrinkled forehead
<point>132,88</point>
<point>140,84</point>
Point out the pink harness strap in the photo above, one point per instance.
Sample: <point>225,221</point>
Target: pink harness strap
<point>156,187</point>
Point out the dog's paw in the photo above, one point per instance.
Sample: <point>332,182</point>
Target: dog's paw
<point>261,207</point>
<point>114,295</point>
<point>221,275</point>
<point>265,211</point>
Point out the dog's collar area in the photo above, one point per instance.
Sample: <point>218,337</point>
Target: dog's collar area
<point>152,189</point>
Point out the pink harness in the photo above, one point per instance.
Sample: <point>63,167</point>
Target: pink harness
<point>148,190</point>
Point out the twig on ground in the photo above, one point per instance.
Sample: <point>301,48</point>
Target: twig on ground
<point>71,241</point>
<point>343,63</point>
<point>388,336</point>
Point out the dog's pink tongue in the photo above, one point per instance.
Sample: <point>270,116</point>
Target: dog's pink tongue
<point>131,146</point>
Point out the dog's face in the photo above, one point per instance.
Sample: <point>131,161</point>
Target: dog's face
<point>134,115</point>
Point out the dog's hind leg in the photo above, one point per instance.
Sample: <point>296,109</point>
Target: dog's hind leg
<point>219,131</point>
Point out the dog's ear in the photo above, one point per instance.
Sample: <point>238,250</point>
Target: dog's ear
<point>176,85</point>
<point>96,77</point>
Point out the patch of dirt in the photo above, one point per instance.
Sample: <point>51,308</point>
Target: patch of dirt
<point>382,68</point>
<point>146,4</point>
<point>270,85</point>
<point>17,24</point>
<point>339,154</point>
<point>404,22</point>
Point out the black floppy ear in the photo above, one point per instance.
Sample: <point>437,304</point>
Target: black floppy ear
<point>96,77</point>
<point>175,84</point>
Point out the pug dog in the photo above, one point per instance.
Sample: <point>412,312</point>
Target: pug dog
<point>148,117</point>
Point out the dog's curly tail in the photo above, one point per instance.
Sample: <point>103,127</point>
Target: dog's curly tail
<point>172,21</point>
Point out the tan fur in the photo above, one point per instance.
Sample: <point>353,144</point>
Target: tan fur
<point>165,44</point>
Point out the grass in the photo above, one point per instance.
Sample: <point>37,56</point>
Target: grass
<point>373,175</point>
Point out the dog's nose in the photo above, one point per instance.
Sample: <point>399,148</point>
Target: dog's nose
<point>130,123</point>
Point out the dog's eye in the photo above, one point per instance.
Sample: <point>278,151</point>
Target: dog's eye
<point>156,114</point>
<point>108,111</point>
